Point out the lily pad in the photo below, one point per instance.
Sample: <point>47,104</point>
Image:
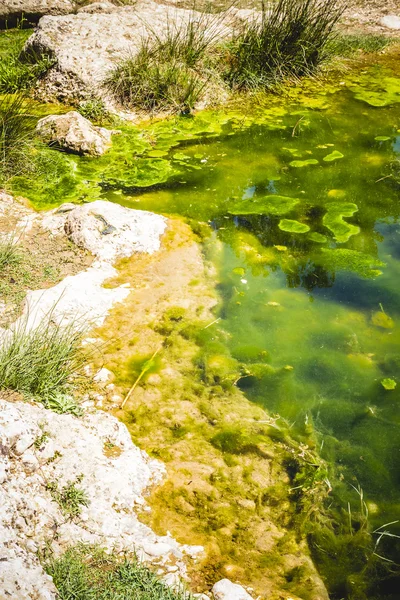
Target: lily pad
<point>298,164</point>
<point>334,220</point>
<point>293,226</point>
<point>388,384</point>
<point>268,205</point>
<point>335,155</point>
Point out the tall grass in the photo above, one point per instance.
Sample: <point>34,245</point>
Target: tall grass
<point>88,573</point>
<point>16,135</point>
<point>289,41</point>
<point>9,253</point>
<point>43,360</point>
<point>170,71</point>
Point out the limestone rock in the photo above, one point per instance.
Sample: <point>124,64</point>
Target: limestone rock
<point>391,21</point>
<point>226,590</point>
<point>114,485</point>
<point>73,133</point>
<point>98,7</point>
<point>12,11</point>
<point>86,46</point>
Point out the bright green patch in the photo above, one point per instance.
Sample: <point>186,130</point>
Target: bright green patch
<point>335,155</point>
<point>293,226</point>
<point>314,236</point>
<point>298,164</point>
<point>388,384</point>
<point>272,205</point>
<point>382,138</point>
<point>334,220</point>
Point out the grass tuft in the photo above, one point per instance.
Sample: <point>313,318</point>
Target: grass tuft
<point>346,45</point>
<point>9,252</point>
<point>289,41</point>
<point>88,573</point>
<point>169,72</point>
<point>41,361</point>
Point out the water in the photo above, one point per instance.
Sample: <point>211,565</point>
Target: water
<point>301,197</point>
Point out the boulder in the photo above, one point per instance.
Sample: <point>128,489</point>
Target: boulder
<point>226,590</point>
<point>98,7</point>
<point>73,133</point>
<point>85,47</point>
<point>12,11</point>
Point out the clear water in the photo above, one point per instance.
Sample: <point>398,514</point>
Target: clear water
<point>302,198</point>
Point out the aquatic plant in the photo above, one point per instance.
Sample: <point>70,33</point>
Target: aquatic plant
<point>334,220</point>
<point>86,572</point>
<point>290,41</point>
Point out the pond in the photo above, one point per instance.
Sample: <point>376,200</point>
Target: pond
<point>301,195</point>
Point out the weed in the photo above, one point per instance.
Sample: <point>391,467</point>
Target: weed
<point>169,72</point>
<point>290,41</point>
<point>70,498</point>
<point>41,439</point>
<point>16,136</point>
<point>88,572</point>
<point>62,404</point>
<point>94,110</point>
<point>41,361</point>
<point>347,45</point>
<point>9,253</point>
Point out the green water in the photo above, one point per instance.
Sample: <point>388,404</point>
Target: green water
<point>301,198</point>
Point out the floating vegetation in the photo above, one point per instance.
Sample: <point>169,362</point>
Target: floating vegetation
<point>298,164</point>
<point>319,238</point>
<point>344,259</point>
<point>269,205</point>
<point>388,384</point>
<point>293,226</point>
<point>335,155</point>
<point>334,220</point>
<point>381,319</point>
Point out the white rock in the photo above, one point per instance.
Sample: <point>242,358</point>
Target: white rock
<point>103,375</point>
<point>159,549</point>
<point>226,590</point>
<point>30,462</point>
<point>13,10</point>
<point>73,133</point>
<point>98,7</point>
<point>391,21</point>
<point>173,580</point>
<point>24,442</point>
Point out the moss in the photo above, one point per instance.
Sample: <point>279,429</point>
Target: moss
<point>269,205</point>
<point>343,259</point>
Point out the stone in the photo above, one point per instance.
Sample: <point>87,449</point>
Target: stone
<point>85,47</point>
<point>102,376</point>
<point>226,590</point>
<point>391,21</point>
<point>12,11</point>
<point>160,549</point>
<point>30,462</point>
<point>97,7</point>
<point>73,133</point>
<point>23,443</point>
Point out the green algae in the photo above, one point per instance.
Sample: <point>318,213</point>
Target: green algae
<point>344,259</point>
<point>293,226</point>
<point>335,155</point>
<point>334,220</point>
<point>388,384</point>
<point>273,205</point>
<point>298,164</point>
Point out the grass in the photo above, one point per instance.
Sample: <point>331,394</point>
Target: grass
<point>89,573</point>
<point>16,137</point>
<point>70,497</point>
<point>290,41</point>
<point>17,74</point>
<point>41,361</point>
<point>169,72</point>
<point>9,252</point>
<point>346,45</point>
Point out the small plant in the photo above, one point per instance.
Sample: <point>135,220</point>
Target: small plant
<point>62,404</point>
<point>170,72</point>
<point>70,498</point>
<point>290,41</point>
<point>16,135</point>
<point>41,439</point>
<point>41,361</point>
<point>88,573</point>
<point>94,110</point>
<point>347,45</point>
<point>9,253</point>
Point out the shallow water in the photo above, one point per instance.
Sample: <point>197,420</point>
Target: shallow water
<point>303,204</point>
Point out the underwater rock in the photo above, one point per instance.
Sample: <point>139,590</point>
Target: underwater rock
<point>226,590</point>
<point>73,133</point>
<point>114,486</point>
<point>85,47</point>
<point>12,11</point>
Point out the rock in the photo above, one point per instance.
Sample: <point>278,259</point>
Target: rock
<point>98,7</point>
<point>226,590</point>
<point>85,47</point>
<point>24,442</point>
<point>160,549</point>
<point>29,517</point>
<point>391,21</point>
<point>102,376</point>
<point>30,462</point>
<point>12,11</point>
<point>73,133</point>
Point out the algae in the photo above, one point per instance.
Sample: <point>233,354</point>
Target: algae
<point>334,220</point>
<point>293,226</point>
